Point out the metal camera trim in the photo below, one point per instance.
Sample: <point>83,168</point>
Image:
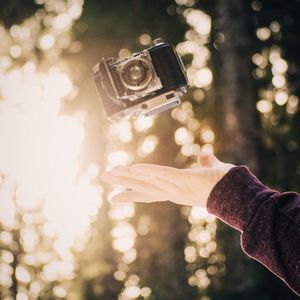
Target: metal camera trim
<point>153,106</point>
<point>157,86</point>
<point>149,76</point>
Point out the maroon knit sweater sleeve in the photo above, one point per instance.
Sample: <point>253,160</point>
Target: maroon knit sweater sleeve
<point>269,222</point>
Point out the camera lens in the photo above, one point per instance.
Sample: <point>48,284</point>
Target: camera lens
<point>136,74</point>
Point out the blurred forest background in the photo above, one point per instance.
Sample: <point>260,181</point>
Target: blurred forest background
<point>59,236</point>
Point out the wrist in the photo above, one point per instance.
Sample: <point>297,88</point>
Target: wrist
<point>225,168</point>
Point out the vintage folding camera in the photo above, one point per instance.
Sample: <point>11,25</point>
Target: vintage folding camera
<point>147,83</point>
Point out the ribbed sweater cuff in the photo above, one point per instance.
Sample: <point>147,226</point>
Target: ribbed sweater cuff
<point>232,198</point>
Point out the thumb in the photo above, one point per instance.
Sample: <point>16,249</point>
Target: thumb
<point>207,159</point>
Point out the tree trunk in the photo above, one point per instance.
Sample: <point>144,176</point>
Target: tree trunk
<point>236,123</point>
<point>233,83</point>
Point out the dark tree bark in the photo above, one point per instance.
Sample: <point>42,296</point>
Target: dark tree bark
<point>238,141</point>
<point>236,123</point>
<point>235,95</point>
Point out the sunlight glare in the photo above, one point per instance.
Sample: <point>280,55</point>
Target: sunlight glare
<point>143,123</point>
<point>199,20</point>
<point>148,145</point>
<point>47,41</point>
<point>183,136</point>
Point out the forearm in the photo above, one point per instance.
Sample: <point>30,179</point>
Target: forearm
<point>268,220</point>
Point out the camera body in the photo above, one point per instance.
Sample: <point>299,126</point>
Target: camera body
<point>148,82</point>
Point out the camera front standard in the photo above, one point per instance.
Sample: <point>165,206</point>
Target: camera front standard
<point>147,83</point>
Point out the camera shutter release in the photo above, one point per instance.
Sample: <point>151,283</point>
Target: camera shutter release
<point>157,42</point>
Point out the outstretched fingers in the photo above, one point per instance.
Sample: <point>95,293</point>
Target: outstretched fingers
<point>163,172</point>
<point>133,196</point>
<point>142,177</point>
<point>139,182</point>
<point>129,182</point>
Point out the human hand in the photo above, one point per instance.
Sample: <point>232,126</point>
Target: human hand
<point>151,183</point>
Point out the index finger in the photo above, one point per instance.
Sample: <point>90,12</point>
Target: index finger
<point>168,173</point>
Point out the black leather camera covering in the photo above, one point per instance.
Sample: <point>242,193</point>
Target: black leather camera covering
<point>168,67</point>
